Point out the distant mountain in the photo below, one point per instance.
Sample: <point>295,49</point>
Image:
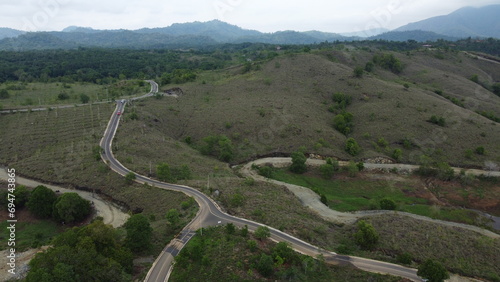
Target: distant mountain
<point>9,32</point>
<point>366,33</point>
<point>417,35</point>
<point>219,31</point>
<point>465,22</point>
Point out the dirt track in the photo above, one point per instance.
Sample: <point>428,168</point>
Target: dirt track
<point>110,213</point>
<point>312,200</point>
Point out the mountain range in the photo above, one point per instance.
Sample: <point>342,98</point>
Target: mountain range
<point>465,22</point>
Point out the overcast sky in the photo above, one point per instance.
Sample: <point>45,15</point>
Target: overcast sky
<point>262,15</point>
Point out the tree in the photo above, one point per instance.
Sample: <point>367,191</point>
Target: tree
<point>262,232</point>
<point>369,66</point>
<point>480,150</point>
<point>41,202</point>
<point>433,271</point>
<point>4,94</point>
<point>352,168</point>
<point>343,122</point>
<point>230,229</point>
<point>358,72</point>
<point>496,88</point>
<point>474,78</point>
<point>173,217</point>
<point>352,147</point>
<point>84,98</point>
<point>387,204</point>
<point>366,236</point>
<point>62,96</point>
<point>70,207</point>
<point>22,195</point>
<point>139,233</point>
<point>265,265</point>
<point>129,178</point>
<point>163,172</point>
<point>298,162</point>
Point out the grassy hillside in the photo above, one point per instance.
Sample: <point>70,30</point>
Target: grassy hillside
<point>282,104</point>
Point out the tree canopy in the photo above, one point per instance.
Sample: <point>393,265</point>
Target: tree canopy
<point>41,202</point>
<point>70,207</point>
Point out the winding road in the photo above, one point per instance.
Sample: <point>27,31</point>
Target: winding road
<point>210,214</point>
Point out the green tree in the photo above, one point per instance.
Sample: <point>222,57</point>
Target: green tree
<point>262,232</point>
<point>387,204</point>
<point>343,122</point>
<point>444,171</point>
<point>433,271</point>
<point>129,178</point>
<point>366,236</point>
<point>352,169</point>
<point>70,207</point>
<point>244,231</point>
<point>474,78</point>
<point>352,147</point>
<point>139,233</point>
<point>41,202</point>
<point>173,217</point>
<point>298,162</point>
<point>62,96</point>
<point>163,172</point>
<point>230,229</point>
<point>84,98</point>
<point>4,94</point>
<point>22,195</point>
<point>480,150</point>
<point>265,265</point>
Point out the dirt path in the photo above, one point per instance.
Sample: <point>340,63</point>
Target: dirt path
<point>312,200</point>
<point>110,213</point>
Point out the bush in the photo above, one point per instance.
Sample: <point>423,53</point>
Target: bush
<point>480,150</point>
<point>389,62</point>
<point>397,154</point>
<point>433,271</point>
<point>266,171</point>
<point>387,204</point>
<point>62,96</point>
<point>298,162</point>
<point>437,120</point>
<point>218,146</point>
<point>352,147</point>
<point>358,72</point>
<point>84,98</point>
<point>369,66</point>
<point>343,123</point>
<point>327,171</point>
<point>366,236</point>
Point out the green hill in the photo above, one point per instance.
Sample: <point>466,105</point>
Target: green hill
<point>283,104</point>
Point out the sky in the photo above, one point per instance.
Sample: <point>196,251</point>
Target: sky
<point>262,15</point>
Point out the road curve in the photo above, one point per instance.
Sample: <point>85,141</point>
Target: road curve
<point>210,214</point>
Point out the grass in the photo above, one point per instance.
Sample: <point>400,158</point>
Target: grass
<point>29,234</point>
<point>345,194</point>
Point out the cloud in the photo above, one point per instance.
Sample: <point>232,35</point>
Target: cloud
<point>263,15</point>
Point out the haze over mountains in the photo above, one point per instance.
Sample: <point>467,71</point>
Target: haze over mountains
<point>465,22</point>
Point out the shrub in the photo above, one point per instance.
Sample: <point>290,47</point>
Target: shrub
<point>327,171</point>
<point>369,66</point>
<point>366,236</point>
<point>387,204</point>
<point>389,62</point>
<point>352,147</point>
<point>397,154</point>
<point>4,94</point>
<point>266,171</point>
<point>437,120</point>
<point>358,72</point>
<point>480,150</point>
<point>343,122</point>
<point>298,162</point>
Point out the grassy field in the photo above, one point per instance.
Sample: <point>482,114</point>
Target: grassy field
<point>362,193</point>
<point>37,94</point>
<point>219,256</point>
<point>29,234</point>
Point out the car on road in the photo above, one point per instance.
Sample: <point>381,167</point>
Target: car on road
<point>118,113</point>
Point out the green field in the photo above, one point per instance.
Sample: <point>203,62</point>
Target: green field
<point>29,234</point>
<point>358,194</point>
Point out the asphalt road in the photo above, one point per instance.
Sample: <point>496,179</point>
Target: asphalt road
<point>210,214</point>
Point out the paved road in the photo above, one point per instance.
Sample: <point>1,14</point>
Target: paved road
<point>210,214</point>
